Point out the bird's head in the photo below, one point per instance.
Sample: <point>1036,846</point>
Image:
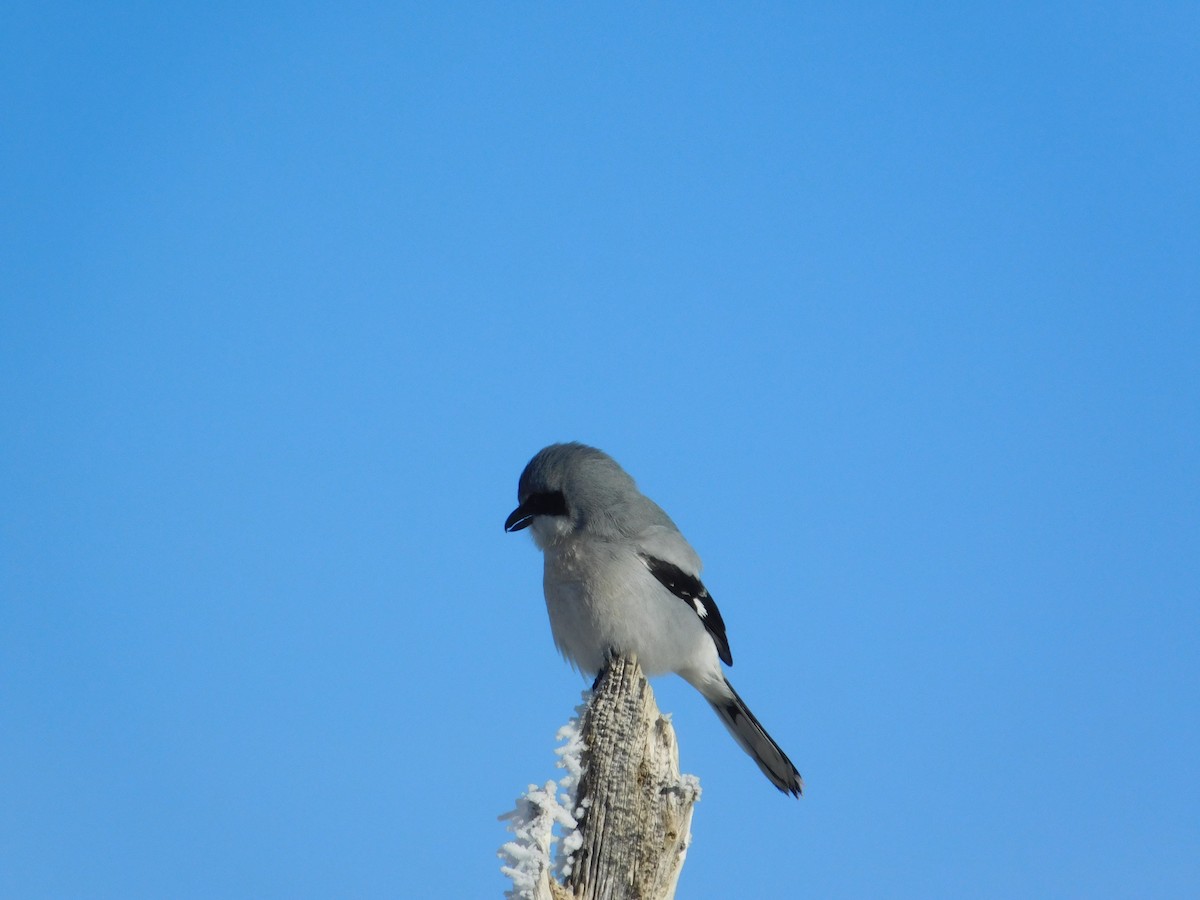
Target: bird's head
<point>566,486</point>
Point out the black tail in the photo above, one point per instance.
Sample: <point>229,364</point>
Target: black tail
<point>754,739</point>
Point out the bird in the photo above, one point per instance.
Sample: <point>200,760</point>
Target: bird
<point>620,579</point>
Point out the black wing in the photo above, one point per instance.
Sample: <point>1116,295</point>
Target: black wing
<point>689,588</point>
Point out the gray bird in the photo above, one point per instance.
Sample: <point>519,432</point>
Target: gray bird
<point>620,578</point>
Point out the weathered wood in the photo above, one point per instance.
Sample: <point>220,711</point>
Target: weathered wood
<point>623,812</point>
<point>637,816</point>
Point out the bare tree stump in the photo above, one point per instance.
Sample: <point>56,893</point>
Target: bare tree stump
<point>623,812</point>
<point>637,808</point>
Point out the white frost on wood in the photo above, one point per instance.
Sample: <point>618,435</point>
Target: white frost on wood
<point>545,816</point>
<point>570,757</point>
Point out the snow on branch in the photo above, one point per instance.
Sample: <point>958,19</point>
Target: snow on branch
<point>545,816</point>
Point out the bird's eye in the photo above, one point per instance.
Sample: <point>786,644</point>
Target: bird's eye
<point>546,503</point>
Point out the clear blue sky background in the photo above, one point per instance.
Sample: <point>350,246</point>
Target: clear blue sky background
<point>897,312</point>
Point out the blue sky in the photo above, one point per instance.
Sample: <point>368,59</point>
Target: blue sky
<point>895,310</point>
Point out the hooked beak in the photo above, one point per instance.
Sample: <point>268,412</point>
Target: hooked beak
<point>519,518</point>
<point>541,503</point>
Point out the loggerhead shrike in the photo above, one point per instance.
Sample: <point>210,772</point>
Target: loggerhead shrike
<point>620,578</point>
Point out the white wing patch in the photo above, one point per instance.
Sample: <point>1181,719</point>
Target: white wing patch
<point>690,589</point>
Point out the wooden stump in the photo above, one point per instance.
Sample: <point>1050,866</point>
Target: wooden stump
<point>637,816</point>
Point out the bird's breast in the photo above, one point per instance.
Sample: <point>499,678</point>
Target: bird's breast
<point>601,598</point>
